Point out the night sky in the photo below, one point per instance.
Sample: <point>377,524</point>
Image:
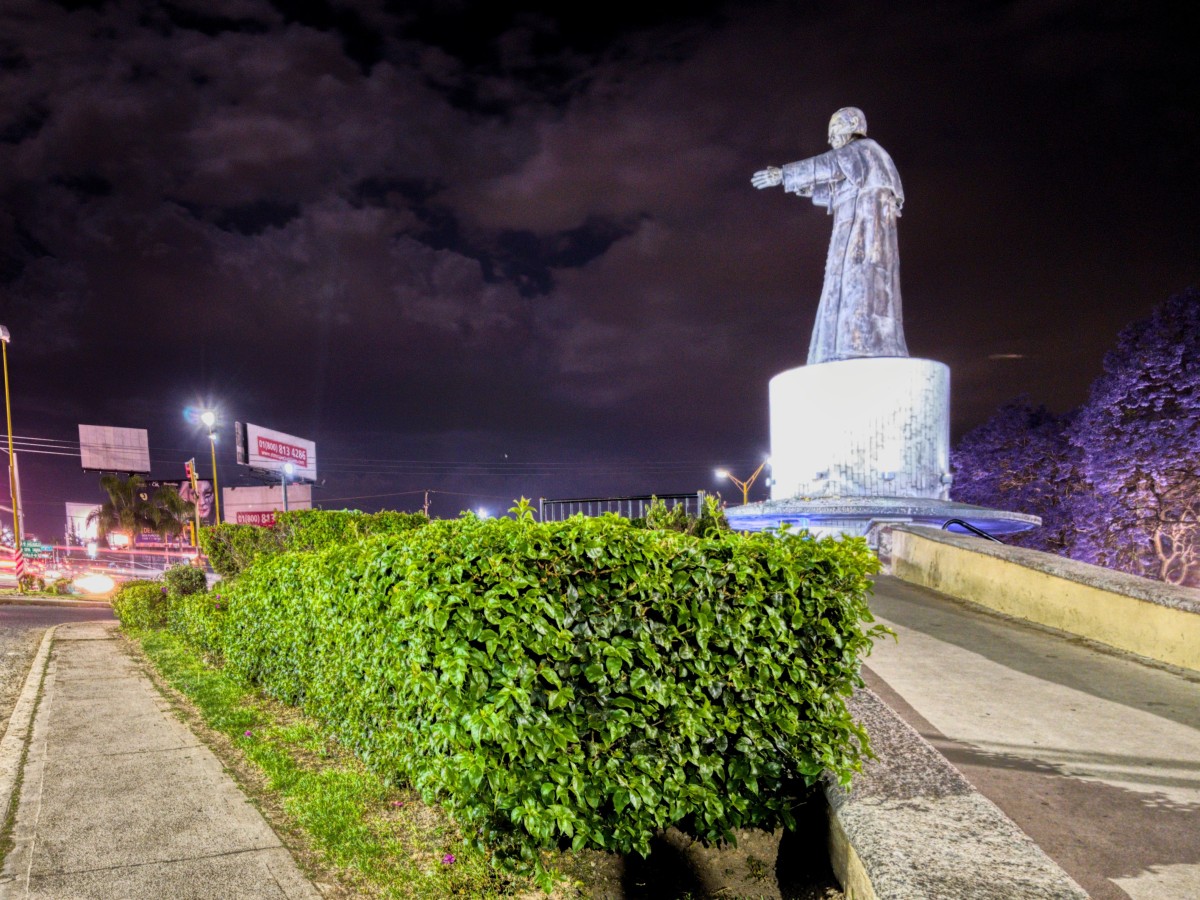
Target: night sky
<point>494,252</point>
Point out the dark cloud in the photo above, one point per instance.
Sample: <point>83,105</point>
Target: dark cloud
<point>450,231</point>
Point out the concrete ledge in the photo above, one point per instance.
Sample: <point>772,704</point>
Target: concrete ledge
<point>911,826</point>
<point>1152,619</point>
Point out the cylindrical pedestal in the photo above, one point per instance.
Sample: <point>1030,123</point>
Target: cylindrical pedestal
<point>876,427</point>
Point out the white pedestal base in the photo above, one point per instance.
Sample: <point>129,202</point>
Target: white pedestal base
<point>875,427</point>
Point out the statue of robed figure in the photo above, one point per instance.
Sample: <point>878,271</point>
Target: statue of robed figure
<point>859,313</point>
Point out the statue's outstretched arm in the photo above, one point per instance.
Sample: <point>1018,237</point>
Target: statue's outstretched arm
<point>768,177</point>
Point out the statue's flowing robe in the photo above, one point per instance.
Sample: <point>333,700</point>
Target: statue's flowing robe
<point>859,313</point>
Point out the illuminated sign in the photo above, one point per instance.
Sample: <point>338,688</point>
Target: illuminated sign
<point>262,448</point>
<point>265,518</point>
<point>272,449</point>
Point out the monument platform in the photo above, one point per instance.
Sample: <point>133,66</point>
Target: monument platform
<point>856,516</point>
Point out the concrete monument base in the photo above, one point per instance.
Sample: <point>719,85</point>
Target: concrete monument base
<point>860,516</point>
<point>860,443</point>
<point>877,427</point>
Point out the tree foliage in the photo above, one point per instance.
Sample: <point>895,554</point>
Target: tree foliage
<point>1023,456</point>
<point>1117,482</point>
<point>132,508</point>
<point>1139,436</point>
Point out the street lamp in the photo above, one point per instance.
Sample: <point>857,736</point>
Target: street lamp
<point>209,418</point>
<point>744,485</point>
<point>12,468</point>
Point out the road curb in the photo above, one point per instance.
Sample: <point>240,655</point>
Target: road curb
<point>16,735</point>
<point>61,604</point>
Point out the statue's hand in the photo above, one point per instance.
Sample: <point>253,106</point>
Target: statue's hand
<point>768,177</point>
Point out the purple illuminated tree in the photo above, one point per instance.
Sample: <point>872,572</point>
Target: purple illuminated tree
<point>1139,438</point>
<point>1022,460</point>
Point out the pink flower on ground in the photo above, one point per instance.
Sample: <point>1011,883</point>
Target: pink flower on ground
<point>247,734</point>
<point>397,803</point>
<point>448,859</point>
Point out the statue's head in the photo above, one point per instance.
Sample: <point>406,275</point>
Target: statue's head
<point>845,124</point>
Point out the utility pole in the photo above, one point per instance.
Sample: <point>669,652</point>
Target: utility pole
<point>14,490</point>
<point>190,468</point>
<point>427,503</point>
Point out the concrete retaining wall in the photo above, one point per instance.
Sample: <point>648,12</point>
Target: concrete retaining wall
<point>1154,620</point>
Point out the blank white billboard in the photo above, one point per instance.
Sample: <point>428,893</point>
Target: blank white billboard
<point>272,450</point>
<point>103,448</point>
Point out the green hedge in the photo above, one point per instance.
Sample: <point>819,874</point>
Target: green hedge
<point>232,548</point>
<point>152,604</point>
<point>199,619</point>
<point>183,580</point>
<point>316,529</point>
<point>141,604</point>
<point>579,683</point>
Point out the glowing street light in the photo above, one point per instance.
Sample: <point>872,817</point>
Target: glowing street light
<point>209,418</point>
<point>744,485</point>
<point>12,467</point>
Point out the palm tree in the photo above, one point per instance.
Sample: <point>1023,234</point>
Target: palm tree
<point>130,509</point>
<point>170,514</point>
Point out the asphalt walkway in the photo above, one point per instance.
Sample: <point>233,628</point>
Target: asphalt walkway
<point>117,798</point>
<point>1095,754</point>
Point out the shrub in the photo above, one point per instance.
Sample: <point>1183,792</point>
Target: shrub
<point>315,529</point>
<point>141,604</point>
<point>29,583</point>
<point>185,579</point>
<point>585,682</point>
<point>231,548</point>
<point>199,619</point>
<point>710,521</point>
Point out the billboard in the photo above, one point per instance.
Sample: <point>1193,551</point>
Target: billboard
<point>262,448</point>
<point>258,505</point>
<point>103,448</point>
<point>204,498</point>
<point>79,530</point>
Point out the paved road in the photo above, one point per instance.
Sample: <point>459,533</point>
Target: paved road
<point>21,629</point>
<point>1095,754</point>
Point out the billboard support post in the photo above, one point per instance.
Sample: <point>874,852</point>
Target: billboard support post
<point>283,475</point>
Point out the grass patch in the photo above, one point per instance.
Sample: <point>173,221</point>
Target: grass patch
<point>375,839</point>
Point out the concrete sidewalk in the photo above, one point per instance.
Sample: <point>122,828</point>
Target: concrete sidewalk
<point>117,797</point>
<point>1094,753</point>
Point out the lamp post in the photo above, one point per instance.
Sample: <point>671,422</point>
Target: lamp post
<point>209,418</point>
<point>744,485</point>
<point>12,468</point>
